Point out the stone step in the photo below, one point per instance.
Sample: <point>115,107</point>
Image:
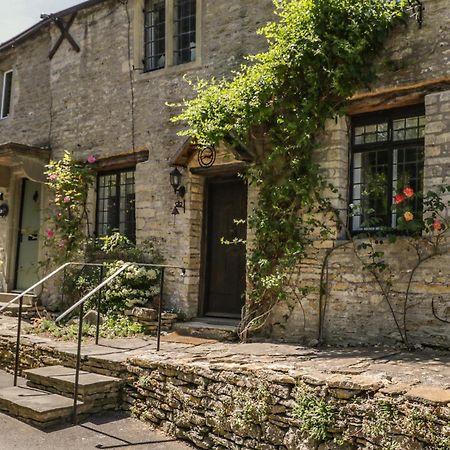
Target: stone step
<point>96,391</point>
<point>13,310</point>
<point>42,409</point>
<point>28,299</point>
<point>208,328</point>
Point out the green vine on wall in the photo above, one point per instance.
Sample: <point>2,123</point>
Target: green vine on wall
<point>319,52</point>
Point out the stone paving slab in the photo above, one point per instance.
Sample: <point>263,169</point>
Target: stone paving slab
<point>63,379</point>
<point>34,404</point>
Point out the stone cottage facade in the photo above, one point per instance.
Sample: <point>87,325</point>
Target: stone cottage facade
<point>104,89</point>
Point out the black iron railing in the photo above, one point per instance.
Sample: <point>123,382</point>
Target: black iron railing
<point>80,304</point>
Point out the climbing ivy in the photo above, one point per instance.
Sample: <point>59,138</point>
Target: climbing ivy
<point>318,53</point>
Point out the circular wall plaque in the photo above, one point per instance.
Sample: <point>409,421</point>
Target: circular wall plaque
<point>206,157</point>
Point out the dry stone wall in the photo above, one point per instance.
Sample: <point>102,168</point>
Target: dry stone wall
<point>231,406</point>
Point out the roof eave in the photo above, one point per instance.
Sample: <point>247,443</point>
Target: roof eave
<point>16,40</point>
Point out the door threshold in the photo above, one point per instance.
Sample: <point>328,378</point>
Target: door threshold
<point>218,320</point>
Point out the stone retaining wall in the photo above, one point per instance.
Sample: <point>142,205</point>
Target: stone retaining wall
<point>227,406</point>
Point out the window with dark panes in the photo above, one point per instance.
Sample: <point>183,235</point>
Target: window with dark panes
<point>116,204</point>
<point>184,31</point>
<point>155,35</point>
<point>387,157</point>
<point>6,92</point>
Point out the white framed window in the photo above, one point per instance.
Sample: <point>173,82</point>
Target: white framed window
<point>6,91</point>
<point>171,31</point>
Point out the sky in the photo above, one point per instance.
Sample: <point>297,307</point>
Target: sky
<point>18,15</point>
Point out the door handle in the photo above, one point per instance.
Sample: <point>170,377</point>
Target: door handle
<point>32,237</point>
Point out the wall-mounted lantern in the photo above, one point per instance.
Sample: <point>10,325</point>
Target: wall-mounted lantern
<point>4,209</point>
<point>175,181</point>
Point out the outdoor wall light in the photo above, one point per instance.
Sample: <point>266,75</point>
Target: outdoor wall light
<point>175,181</point>
<point>4,209</point>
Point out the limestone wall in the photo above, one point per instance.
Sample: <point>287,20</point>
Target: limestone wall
<point>242,405</point>
<point>100,102</point>
<point>354,309</point>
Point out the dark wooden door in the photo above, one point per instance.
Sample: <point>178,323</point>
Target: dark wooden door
<point>225,263</point>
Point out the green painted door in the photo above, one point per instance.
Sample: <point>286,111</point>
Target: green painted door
<point>28,238</point>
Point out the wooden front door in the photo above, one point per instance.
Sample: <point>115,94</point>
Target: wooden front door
<point>225,263</point>
<point>28,237</point>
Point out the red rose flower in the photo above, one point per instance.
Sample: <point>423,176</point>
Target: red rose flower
<point>437,225</point>
<point>409,192</point>
<point>399,198</point>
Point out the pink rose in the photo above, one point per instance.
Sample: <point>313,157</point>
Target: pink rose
<point>399,198</point>
<point>409,192</point>
<point>50,233</point>
<point>52,177</point>
<point>91,159</point>
<point>437,225</point>
<point>66,199</point>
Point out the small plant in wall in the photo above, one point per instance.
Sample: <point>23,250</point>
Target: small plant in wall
<point>67,223</point>
<point>316,413</point>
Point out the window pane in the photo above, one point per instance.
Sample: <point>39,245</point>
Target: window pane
<point>185,31</point>
<point>409,172</point>
<point>370,189</point>
<point>6,94</point>
<point>115,204</point>
<point>408,128</point>
<point>368,134</point>
<point>154,35</point>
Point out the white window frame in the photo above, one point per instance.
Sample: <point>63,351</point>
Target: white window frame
<point>2,106</point>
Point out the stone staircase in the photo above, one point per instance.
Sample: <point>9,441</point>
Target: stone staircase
<point>47,398</point>
<point>30,302</point>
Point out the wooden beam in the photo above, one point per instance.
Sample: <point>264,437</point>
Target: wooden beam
<point>220,169</point>
<point>395,97</point>
<point>64,28</point>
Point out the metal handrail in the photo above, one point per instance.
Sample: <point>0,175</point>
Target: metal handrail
<point>20,299</point>
<point>80,304</point>
<point>91,293</point>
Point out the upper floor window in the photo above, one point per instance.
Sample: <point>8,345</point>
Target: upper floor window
<point>116,204</point>
<point>155,34</point>
<point>170,33</point>
<point>184,31</point>
<point>387,157</point>
<point>6,92</point>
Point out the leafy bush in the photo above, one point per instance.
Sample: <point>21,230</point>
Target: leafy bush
<point>112,326</point>
<point>135,286</point>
